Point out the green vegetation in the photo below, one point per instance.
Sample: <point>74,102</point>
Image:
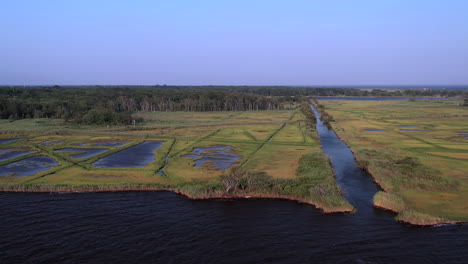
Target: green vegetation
<point>389,201</point>
<point>314,183</point>
<point>113,105</point>
<point>422,171</point>
<point>279,150</point>
<point>420,159</point>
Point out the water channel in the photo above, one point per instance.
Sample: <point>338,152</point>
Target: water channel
<point>162,227</point>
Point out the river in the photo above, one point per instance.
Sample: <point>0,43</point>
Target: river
<point>162,227</point>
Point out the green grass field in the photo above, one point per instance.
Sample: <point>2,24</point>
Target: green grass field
<point>424,170</point>
<point>271,146</point>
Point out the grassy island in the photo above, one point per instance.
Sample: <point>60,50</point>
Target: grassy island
<point>262,154</point>
<point>416,151</point>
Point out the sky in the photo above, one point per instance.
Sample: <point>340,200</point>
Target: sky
<point>175,42</point>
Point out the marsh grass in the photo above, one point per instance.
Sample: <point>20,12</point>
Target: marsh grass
<point>315,171</point>
<point>417,218</point>
<point>389,201</point>
<point>314,184</point>
<point>428,170</point>
<point>398,173</point>
<point>275,168</point>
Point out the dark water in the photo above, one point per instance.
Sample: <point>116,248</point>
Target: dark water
<point>136,156</point>
<point>374,130</point>
<point>464,134</point>
<point>28,166</point>
<point>87,152</point>
<point>414,130</point>
<point>162,227</point>
<point>7,154</point>
<point>221,157</point>
<point>48,143</point>
<point>357,185</point>
<point>5,141</point>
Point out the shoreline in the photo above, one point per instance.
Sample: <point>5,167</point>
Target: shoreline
<point>185,194</point>
<point>230,197</point>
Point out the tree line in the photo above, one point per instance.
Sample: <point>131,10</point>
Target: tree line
<point>94,105</point>
<point>114,104</point>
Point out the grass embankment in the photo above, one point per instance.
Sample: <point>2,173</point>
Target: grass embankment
<point>418,160</point>
<point>279,150</point>
<point>314,184</point>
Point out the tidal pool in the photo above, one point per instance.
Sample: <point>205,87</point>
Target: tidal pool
<point>136,156</point>
<point>4,141</point>
<point>28,166</point>
<point>374,130</point>
<point>88,152</point>
<point>51,143</point>
<point>464,134</point>
<point>219,157</point>
<point>414,130</point>
<point>7,154</point>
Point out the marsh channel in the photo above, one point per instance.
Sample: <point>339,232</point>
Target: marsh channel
<point>163,227</point>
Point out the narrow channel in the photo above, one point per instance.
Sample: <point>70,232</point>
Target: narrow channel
<point>357,185</point>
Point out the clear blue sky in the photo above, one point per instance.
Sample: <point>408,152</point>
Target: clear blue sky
<point>234,42</point>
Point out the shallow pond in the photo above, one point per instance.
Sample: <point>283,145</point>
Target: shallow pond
<point>374,130</point>
<point>464,134</point>
<point>87,152</point>
<point>7,154</point>
<point>135,156</point>
<point>48,143</point>
<point>219,157</point>
<point>4,141</point>
<point>414,130</point>
<point>28,166</point>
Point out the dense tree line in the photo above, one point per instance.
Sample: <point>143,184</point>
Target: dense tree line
<point>289,91</point>
<point>113,104</point>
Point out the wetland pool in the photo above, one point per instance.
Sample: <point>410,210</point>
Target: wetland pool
<point>136,156</point>
<point>218,157</point>
<point>374,130</point>
<point>9,140</point>
<point>7,154</point>
<point>414,130</point>
<point>464,134</point>
<point>28,166</point>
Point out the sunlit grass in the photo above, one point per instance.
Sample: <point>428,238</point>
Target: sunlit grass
<point>290,165</point>
<point>436,183</point>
